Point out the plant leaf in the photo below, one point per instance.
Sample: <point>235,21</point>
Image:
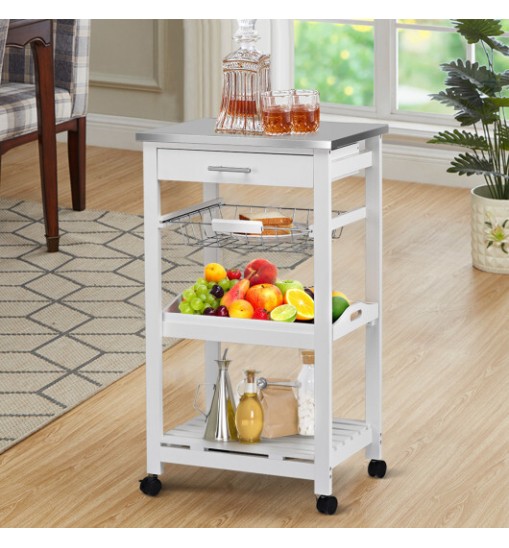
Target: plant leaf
<point>480,77</point>
<point>468,114</point>
<point>460,138</point>
<point>468,164</point>
<point>475,30</point>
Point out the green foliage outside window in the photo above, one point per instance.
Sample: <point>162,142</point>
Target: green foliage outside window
<point>337,60</point>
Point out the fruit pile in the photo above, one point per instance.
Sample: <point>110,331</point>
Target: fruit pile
<point>256,294</point>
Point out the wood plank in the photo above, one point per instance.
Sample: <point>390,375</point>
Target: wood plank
<point>446,381</point>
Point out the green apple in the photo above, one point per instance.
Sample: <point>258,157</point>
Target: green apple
<point>285,285</point>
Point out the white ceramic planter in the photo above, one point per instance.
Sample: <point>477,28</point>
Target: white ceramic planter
<point>487,224</point>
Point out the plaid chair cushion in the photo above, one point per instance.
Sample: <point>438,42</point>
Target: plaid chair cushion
<point>71,56</point>
<point>18,111</point>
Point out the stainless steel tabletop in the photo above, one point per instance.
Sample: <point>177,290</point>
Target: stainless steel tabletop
<point>331,135</point>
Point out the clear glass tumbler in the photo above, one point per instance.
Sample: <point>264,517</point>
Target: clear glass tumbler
<point>305,116</point>
<point>276,112</point>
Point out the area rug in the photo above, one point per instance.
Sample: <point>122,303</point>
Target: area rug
<point>71,322</point>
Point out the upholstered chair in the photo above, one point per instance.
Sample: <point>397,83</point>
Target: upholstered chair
<point>18,105</point>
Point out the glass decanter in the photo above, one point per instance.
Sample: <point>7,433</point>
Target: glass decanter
<point>246,73</point>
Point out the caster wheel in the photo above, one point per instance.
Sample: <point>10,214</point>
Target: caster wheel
<point>377,468</point>
<point>327,504</point>
<point>151,485</point>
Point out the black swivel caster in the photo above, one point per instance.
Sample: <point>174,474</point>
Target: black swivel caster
<point>327,504</point>
<point>151,485</point>
<point>377,468</point>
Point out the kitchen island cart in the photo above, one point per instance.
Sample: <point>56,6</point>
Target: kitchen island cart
<point>193,152</point>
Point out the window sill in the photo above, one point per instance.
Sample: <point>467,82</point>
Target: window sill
<point>398,129</point>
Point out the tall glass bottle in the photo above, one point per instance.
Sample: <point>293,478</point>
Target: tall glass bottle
<point>306,394</point>
<point>246,73</point>
<point>249,414</point>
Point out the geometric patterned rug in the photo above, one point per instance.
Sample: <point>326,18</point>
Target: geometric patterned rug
<point>71,322</point>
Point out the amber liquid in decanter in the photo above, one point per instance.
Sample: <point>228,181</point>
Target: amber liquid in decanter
<point>246,73</point>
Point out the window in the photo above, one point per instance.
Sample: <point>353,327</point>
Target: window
<point>379,68</point>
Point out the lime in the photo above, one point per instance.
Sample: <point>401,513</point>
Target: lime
<point>284,313</point>
<point>339,305</point>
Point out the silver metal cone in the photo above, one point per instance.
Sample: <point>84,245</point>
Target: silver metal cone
<point>220,424</point>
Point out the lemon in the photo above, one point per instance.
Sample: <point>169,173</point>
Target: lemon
<point>284,313</point>
<point>303,302</point>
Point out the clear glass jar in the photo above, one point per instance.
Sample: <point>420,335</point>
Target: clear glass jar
<point>249,414</point>
<point>306,394</point>
<point>246,73</point>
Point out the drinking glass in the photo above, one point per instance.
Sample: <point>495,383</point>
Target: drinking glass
<point>276,112</point>
<point>305,115</point>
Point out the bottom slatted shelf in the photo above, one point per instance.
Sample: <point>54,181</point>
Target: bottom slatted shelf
<point>291,456</point>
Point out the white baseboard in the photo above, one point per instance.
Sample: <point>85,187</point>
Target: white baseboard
<point>104,130</point>
<point>401,162</point>
<point>423,164</point>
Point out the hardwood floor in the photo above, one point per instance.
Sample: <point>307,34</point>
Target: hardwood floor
<point>446,387</point>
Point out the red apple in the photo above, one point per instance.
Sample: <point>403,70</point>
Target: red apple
<point>266,296</point>
<point>261,271</point>
<point>234,274</point>
<point>260,314</point>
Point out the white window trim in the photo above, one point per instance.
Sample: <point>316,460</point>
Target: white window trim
<point>385,76</point>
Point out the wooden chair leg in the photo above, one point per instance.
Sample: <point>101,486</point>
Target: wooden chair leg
<point>43,64</point>
<point>76,151</point>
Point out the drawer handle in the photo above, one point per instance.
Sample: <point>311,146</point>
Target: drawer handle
<point>230,169</point>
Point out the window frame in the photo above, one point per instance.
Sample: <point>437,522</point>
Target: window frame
<point>385,72</point>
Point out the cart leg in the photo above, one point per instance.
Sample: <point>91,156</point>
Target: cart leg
<point>153,307</point>
<point>326,502</point>
<point>374,294</point>
<point>212,349</point>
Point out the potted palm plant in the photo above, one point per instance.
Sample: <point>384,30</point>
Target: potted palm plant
<point>480,95</point>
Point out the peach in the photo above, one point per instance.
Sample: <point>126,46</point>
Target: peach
<point>261,271</point>
<point>266,296</point>
<point>241,309</point>
<point>238,291</point>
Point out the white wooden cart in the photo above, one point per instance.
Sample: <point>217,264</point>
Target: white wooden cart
<point>193,152</point>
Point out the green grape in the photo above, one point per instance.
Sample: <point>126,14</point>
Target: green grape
<point>204,297</point>
<point>211,300</point>
<point>188,294</point>
<point>232,283</point>
<point>200,281</point>
<point>210,285</point>
<point>197,304</point>
<point>185,308</point>
<point>201,289</point>
<point>225,284</point>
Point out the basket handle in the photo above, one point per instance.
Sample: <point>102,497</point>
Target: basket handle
<point>234,225</point>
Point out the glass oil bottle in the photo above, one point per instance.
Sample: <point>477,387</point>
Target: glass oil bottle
<point>249,414</point>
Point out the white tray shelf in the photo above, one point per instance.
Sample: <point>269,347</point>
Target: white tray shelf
<point>269,333</point>
<point>291,456</point>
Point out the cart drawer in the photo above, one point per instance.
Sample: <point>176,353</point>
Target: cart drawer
<point>235,167</point>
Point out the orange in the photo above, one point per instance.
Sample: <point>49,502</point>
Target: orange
<point>214,272</point>
<point>302,302</point>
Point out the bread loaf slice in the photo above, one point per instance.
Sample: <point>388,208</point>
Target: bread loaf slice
<point>273,221</point>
